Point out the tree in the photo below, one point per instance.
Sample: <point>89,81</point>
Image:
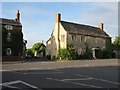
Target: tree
<point>38,48</point>
<point>117,41</point>
<point>30,52</point>
<point>116,45</point>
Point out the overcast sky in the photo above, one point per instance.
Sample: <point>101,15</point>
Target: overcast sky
<point>38,18</point>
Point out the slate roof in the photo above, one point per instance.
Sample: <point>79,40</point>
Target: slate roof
<point>83,29</point>
<point>10,22</point>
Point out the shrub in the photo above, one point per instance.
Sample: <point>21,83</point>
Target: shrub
<point>69,53</point>
<point>29,52</point>
<point>87,54</point>
<point>103,54</point>
<point>48,57</point>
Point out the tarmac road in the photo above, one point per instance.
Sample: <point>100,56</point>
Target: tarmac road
<point>95,77</point>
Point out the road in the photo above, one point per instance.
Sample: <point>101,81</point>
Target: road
<point>89,77</point>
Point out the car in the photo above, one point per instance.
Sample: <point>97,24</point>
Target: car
<point>28,57</point>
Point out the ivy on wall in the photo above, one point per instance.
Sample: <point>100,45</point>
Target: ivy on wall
<point>16,43</point>
<point>108,44</point>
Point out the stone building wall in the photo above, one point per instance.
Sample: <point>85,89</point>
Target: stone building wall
<point>48,47</point>
<point>66,33</point>
<point>52,45</point>
<point>80,42</point>
<point>63,37</point>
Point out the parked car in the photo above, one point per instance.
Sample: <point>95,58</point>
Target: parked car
<point>28,57</point>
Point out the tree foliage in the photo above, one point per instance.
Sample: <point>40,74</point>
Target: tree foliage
<point>104,54</point>
<point>88,53</point>
<point>117,41</point>
<point>30,52</point>
<point>37,47</point>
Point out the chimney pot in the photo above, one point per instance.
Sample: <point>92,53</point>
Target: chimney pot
<point>17,16</point>
<point>58,17</point>
<point>100,25</point>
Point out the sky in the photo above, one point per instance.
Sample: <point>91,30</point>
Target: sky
<point>38,18</point>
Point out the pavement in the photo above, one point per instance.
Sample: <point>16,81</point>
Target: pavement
<point>44,65</point>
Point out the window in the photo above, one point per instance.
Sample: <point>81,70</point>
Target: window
<point>62,38</point>
<point>8,51</point>
<point>73,37</point>
<point>96,41</point>
<point>9,37</point>
<point>85,39</point>
<point>82,38</point>
<point>8,27</point>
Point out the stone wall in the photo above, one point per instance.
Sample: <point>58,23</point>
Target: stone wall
<point>80,42</point>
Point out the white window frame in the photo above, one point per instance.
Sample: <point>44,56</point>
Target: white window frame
<point>8,27</point>
<point>9,36</point>
<point>8,51</point>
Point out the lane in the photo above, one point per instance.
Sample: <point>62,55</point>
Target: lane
<point>92,77</point>
<point>39,80</point>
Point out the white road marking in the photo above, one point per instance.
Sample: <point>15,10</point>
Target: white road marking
<point>74,83</point>
<point>11,87</point>
<point>12,82</point>
<point>29,84</point>
<point>15,82</point>
<point>38,72</point>
<point>77,79</point>
<point>46,73</point>
<point>83,84</point>
<point>98,79</point>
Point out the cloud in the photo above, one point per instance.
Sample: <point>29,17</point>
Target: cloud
<point>102,12</point>
<point>38,18</point>
<point>91,15</point>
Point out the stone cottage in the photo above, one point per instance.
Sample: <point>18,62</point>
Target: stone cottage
<point>66,33</point>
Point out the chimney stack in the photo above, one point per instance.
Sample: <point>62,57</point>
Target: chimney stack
<point>58,17</point>
<point>100,25</point>
<point>17,16</point>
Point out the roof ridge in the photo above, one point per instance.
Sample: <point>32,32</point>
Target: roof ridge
<point>83,29</point>
<point>80,24</point>
<point>7,19</point>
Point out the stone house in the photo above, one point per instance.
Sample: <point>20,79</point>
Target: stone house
<point>13,44</point>
<point>66,33</point>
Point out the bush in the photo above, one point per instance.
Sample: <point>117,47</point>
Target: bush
<point>87,54</point>
<point>104,54</point>
<point>48,57</point>
<point>69,53</point>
